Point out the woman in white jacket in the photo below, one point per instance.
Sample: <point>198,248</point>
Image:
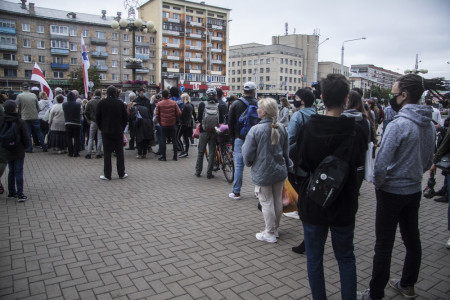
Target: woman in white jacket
<point>266,150</point>
<point>57,136</point>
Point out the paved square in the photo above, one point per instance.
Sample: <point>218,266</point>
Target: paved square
<point>163,233</point>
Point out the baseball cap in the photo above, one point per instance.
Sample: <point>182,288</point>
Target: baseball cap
<point>249,86</point>
<point>34,88</point>
<point>211,91</point>
<point>58,90</point>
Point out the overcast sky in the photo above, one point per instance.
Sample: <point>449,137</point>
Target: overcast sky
<point>395,30</point>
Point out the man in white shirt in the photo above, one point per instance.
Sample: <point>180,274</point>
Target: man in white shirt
<point>436,115</point>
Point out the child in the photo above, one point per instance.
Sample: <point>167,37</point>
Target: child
<point>16,156</point>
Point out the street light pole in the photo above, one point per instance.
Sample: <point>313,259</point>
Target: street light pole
<point>342,52</point>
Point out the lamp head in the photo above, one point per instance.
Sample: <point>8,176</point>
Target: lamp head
<point>123,22</point>
<point>150,26</point>
<point>138,22</point>
<point>114,24</point>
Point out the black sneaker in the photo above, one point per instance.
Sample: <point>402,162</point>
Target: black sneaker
<point>210,176</point>
<point>99,156</point>
<point>21,198</point>
<point>182,155</point>
<point>442,199</point>
<point>162,158</point>
<point>88,156</point>
<point>12,195</point>
<point>300,249</point>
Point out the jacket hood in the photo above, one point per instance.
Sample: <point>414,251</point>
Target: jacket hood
<point>419,114</point>
<point>327,126</point>
<point>9,117</point>
<point>353,113</point>
<point>71,97</point>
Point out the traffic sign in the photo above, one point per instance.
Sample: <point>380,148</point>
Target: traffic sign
<point>182,88</point>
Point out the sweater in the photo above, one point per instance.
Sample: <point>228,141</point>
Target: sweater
<point>406,151</point>
<point>56,118</point>
<point>269,162</point>
<point>28,106</point>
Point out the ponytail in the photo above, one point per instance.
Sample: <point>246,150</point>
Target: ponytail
<point>270,106</point>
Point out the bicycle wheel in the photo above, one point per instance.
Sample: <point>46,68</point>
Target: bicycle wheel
<point>228,164</point>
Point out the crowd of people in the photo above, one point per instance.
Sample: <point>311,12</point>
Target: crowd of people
<point>277,145</point>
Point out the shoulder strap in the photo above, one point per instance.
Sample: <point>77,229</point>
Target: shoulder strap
<point>244,100</point>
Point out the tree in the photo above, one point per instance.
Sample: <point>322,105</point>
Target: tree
<point>76,79</point>
<point>380,93</point>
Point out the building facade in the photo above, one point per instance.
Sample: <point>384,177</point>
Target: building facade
<point>370,73</point>
<point>277,70</point>
<point>191,43</point>
<point>52,39</point>
<point>329,67</point>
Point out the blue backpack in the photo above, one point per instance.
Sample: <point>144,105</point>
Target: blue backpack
<point>248,118</point>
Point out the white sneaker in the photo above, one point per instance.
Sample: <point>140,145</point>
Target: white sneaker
<point>102,177</point>
<point>448,244</point>
<point>293,215</point>
<point>234,196</point>
<point>124,176</point>
<point>266,237</point>
<point>277,235</point>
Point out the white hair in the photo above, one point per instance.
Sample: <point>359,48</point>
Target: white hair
<point>132,96</point>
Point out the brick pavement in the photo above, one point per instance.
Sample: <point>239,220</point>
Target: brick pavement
<point>155,236</point>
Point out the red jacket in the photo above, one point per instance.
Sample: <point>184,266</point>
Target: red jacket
<point>167,112</point>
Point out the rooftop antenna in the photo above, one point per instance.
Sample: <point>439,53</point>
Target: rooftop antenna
<point>286,27</point>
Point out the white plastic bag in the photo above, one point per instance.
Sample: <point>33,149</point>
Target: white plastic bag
<point>368,167</point>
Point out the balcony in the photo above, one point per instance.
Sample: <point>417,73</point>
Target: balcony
<point>195,24</point>
<point>142,71</point>
<point>195,59</point>
<point>195,71</point>
<point>8,30</point>
<point>196,36</point>
<point>172,32</point>
<point>216,72</point>
<point>196,48</point>
<point>8,63</point>
<point>59,37</point>
<point>173,20</point>
<point>217,38</point>
<point>173,70</point>
<point>144,57</point>
<point>170,45</point>
<point>57,51</point>
<point>218,27</point>
<point>172,57</point>
<point>102,68</point>
<point>58,66</point>
<point>9,47</point>
<point>99,54</point>
<point>215,50</point>
<point>99,41</point>
<point>141,44</point>
<point>216,61</point>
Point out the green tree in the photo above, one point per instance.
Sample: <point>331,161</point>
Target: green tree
<point>76,79</point>
<point>380,93</point>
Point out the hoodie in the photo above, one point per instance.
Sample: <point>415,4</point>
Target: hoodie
<point>406,151</point>
<point>72,110</point>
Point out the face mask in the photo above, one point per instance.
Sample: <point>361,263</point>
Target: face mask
<point>395,106</point>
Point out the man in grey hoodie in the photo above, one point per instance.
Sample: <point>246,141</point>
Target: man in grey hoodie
<point>406,153</point>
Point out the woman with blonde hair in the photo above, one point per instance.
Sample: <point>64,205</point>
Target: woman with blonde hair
<point>187,120</point>
<point>266,150</point>
<point>44,110</point>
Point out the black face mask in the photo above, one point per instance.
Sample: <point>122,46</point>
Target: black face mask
<point>395,106</point>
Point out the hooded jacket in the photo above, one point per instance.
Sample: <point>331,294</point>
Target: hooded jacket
<point>322,135</point>
<point>72,111</point>
<point>19,153</point>
<point>406,151</point>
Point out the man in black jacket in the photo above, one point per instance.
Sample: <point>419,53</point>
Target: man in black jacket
<point>112,119</point>
<point>236,110</point>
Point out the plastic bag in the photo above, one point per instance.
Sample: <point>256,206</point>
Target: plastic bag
<point>196,134</point>
<point>368,167</point>
<point>289,197</point>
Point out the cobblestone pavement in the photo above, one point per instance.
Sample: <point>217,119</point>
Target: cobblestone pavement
<point>163,233</point>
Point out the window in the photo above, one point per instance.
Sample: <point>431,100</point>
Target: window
<point>261,70</point>
<point>267,70</point>
<point>295,79</point>
<point>281,78</point>
<point>176,41</point>
<point>61,30</point>
<point>176,53</point>
<point>268,61</point>
<point>290,62</point>
<point>126,77</point>
<point>85,33</point>
<point>26,58</point>
<point>238,79</point>
<point>151,66</point>
<point>41,58</point>
<point>238,63</point>
<point>10,73</point>
<point>126,37</point>
<point>28,73</point>
<point>199,20</point>
<point>244,63</point>
<point>232,64</point>
<point>114,63</point>
<point>26,43</point>
<point>41,44</point>
<point>255,62</point>
<point>295,63</point>
<point>165,52</point>
<point>58,74</point>
<point>250,62</point>
<point>199,43</point>
<point>244,71</point>
<point>58,60</point>
<point>290,71</point>
<point>261,61</point>
<point>73,60</point>
<point>176,65</point>
<point>249,71</point>
<point>198,55</point>
<point>126,51</point>
<point>102,76</point>
<point>40,29</point>
<point>60,44</point>
<point>7,23</point>
<point>300,64</point>
<point>114,36</point>
<point>73,47</point>
<point>140,39</point>
<point>73,32</point>
<point>100,35</point>
<point>267,78</point>
<point>233,72</point>
<point>152,40</point>
<point>189,42</point>
<point>176,16</point>
<point>219,68</point>
<point>286,61</point>
<point>166,14</point>
<point>166,6</point>
<point>25,27</point>
<point>281,61</point>
<point>100,48</point>
<point>114,50</point>
<point>151,53</point>
<point>295,72</point>
<point>189,18</point>
<point>165,64</point>
<point>238,72</point>
<point>261,78</point>
<point>115,77</point>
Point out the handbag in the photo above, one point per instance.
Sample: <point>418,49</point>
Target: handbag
<point>196,134</point>
<point>444,163</point>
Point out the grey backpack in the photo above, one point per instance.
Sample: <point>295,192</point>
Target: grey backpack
<point>210,116</point>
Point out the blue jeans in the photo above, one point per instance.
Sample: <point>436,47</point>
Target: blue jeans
<point>94,130</point>
<point>342,241</point>
<point>238,166</point>
<point>15,176</point>
<point>34,128</point>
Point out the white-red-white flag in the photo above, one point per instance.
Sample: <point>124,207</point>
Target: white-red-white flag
<point>38,75</point>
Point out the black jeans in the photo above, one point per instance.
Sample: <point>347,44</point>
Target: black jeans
<point>186,133</point>
<point>132,131</point>
<point>142,147</point>
<point>113,142</point>
<point>393,209</point>
<point>168,131</point>
<point>73,139</point>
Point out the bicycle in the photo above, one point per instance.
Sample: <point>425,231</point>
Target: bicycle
<point>223,156</point>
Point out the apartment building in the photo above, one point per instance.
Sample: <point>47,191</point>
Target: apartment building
<point>52,38</point>
<point>191,43</point>
<point>276,69</point>
<point>379,76</point>
<point>329,67</point>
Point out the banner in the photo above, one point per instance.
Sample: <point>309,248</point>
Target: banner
<point>38,75</point>
<point>86,65</point>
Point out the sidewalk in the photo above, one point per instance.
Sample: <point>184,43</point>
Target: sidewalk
<point>163,233</point>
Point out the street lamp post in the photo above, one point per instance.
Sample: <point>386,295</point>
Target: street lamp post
<point>342,52</point>
<point>133,24</point>
<point>416,69</point>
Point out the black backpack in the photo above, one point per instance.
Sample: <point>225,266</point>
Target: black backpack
<point>10,135</point>
<point>328,179</point>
